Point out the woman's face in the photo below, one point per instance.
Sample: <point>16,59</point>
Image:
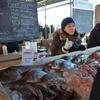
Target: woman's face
<point>70,28</point>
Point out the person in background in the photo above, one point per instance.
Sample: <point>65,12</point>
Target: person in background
<point>41,31</point>
<point>52,28</point>
<point>66,39</point>
<point>40,28</point>
<point>94,38</point>
<point>46,31</point>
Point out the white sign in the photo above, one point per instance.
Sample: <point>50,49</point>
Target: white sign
<point>27,56</point>
<point>83,4</point>
<point>41,58</point>
<point>33,46</point>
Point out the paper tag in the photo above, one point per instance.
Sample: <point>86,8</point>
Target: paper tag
<point>41,58</point>
<point>33,46</point>
<point>27,56</point>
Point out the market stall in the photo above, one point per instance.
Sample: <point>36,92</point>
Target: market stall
<point>64,77</point>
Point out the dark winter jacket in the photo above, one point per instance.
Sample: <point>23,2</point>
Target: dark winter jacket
<point>95,92</point>
<point>59,39</point>
<point>94,39</point>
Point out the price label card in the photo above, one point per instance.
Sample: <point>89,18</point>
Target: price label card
<point>27,56</point>
<point>41,58</point>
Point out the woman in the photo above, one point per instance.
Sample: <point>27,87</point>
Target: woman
<point>94,39</point>
<point>66,39</point>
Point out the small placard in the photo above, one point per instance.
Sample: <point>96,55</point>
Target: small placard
<point>27,56</point>
<point>41,58</point>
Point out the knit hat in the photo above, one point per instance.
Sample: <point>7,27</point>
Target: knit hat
<point>66,21</point>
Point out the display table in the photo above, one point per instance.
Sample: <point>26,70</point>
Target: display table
<point>15,59</point>
<point>9,60</point>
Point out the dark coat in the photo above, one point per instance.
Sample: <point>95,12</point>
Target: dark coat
<point>95,92</point>
<point>59,39</point>
<point>94,39</point>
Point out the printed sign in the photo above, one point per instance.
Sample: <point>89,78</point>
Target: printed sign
<point>41,58</point>
<point>27,56</point>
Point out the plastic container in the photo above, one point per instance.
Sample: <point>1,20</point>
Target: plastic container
<point>5,51</point>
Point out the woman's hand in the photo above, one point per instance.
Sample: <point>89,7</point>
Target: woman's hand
<point>68,44</point>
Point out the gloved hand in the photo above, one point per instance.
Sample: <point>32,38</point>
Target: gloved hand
<point>67,45</point>
<point>76,43</point>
